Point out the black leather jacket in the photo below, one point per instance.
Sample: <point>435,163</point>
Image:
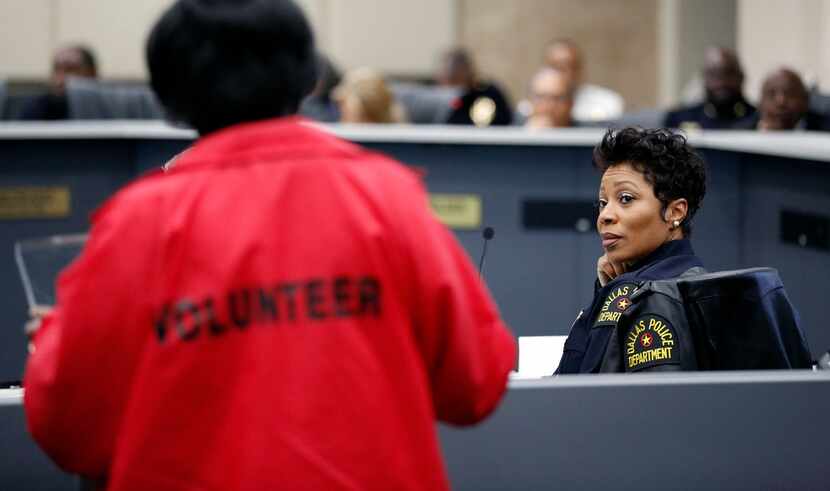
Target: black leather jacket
<point>591,332</point>
<point>730,320</point>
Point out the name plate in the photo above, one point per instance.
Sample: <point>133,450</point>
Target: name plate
<point>461,211</point>
<point>26,202</point>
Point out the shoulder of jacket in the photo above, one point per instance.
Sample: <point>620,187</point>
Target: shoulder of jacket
<point>135,194</point>
<point>667,288</point>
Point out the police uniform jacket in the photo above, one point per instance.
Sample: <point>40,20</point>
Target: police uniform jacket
<point>595,326</point>
<point>811,121</point>
<point>727,320</point>
<point>705,116</point>
<point>279,311</point>
<point>483,105</point>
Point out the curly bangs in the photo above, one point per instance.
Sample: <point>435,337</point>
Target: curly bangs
<point>673,168</point>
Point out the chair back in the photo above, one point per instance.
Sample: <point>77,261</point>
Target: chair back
<point>743,320</point>
<point>91,99</point>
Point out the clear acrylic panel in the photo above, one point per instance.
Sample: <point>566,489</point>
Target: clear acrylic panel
<point>39,262</point>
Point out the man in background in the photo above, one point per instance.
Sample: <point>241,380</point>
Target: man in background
<point>481,103</point>
<point>784,105</point>
<point>591,102</point>
<point>551,100</point>
<point>70,61</point>
<point>257,317</point>
<point>724,105</point>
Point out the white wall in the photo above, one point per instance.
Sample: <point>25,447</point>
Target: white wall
<point>25,37</point>
<point>402,37</point>
<point>116,30</point>
<point>396,36</point>
<point>772,33</point>
<point>31,30</point>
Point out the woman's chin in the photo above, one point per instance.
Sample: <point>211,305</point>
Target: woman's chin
<point>616,256</point>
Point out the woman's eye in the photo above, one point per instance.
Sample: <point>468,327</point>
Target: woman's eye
<point>626,198</point>
<point>601,203</point>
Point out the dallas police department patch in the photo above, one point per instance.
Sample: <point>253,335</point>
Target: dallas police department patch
<point>615,304</point>
<point>650,341</point>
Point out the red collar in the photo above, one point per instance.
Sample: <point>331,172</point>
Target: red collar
<point>284,137</point>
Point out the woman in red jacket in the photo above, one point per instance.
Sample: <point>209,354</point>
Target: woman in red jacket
<point>280,310</point>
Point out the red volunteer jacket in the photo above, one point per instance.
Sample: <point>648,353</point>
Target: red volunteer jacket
<point>280,311</point>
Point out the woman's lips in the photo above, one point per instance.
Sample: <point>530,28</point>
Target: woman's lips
<point>608,240</point>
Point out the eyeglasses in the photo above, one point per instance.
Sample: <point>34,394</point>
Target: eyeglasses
<point>551,97</point>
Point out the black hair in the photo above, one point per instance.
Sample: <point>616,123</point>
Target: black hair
<point>87,56</point>
<point>328,76</point>
<point>216,63</point>
<point>673,168</point>
<point>459,57</point>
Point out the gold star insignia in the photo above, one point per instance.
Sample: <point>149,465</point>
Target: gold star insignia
<point>623,304</point>
<point>646,340</point>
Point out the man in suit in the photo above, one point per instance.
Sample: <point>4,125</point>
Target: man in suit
<point>552,100</point>
<point>481,103</point>
<point>591,102</point>
<point>724,104</point>
<point>69,61</point>
<point>785,105</point>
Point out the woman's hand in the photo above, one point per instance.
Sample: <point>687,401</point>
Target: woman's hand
<point>607,270</point>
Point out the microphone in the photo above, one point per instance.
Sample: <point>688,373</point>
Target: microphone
<point>488,233</point>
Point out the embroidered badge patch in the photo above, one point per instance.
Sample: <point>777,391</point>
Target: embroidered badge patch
<point>650,341</point>
<point>614,305</point>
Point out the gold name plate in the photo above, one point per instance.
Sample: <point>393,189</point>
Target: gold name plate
<point>460,211</point>
<point>25,202</point>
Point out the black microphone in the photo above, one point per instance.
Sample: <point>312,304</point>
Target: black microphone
<point>488,233</point>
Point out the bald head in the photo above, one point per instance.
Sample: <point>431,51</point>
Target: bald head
<point>784,100</point>
<point>552,99</point>
<point>722,76</point>
<point>71,61</point>
<point>719,57</point>
<point>564,55</point>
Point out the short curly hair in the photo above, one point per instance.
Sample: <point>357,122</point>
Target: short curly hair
<point>217,63</point>
<point>673,168</point>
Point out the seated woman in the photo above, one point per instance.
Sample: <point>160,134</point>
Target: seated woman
<point>652,185</point>
<point>364,97</point>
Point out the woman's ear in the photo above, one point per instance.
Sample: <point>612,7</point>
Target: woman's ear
<point>677,210</point>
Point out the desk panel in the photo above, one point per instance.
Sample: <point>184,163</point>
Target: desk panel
<point>540,278</point>
<point>737,431</point>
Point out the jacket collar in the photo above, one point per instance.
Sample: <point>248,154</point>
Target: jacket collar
<point>285,137</point>
<point>681,247</point>
<point>670,260</point>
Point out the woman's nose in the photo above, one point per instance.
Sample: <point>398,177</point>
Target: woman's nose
<point>606,215</point>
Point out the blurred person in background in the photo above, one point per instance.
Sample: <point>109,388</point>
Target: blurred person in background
<point>363,97</point>
<point>256,317</point>
<point>591,102</point>
<point>319,105</point>
<point>70,61</point>
<point>551,100</point>
<point>481,103</point>
<point>724,104</point>
<point>784,105</point>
